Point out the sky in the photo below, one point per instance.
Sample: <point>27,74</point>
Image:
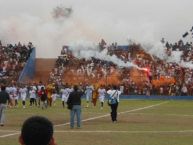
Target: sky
<point>113,20</point>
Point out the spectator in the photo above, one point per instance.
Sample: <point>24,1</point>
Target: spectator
<point>184,90</point>
<point>4,97</point>
<point>114,93</point>
<point>37,130</point>
<point>74,100</point>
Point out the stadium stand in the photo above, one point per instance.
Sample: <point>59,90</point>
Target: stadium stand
<point>157,76</point>
<point>12,61</point>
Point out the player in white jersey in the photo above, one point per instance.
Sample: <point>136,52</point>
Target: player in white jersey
<point>34,88</point>
<point>10,102</point>
<point>23,93</point>
<point>32,96</point>
<point>15,95</point>
<point>54,97</point>
<point>102,92</point>
<point>88,93</point>
<point>65,94</point>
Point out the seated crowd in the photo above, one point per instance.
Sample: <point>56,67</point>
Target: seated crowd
<point>176,77</point>
<point>159,76</point>
<point>12,60</point>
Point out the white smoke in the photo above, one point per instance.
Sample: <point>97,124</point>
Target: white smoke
<point>26,20</point>
<point>187,64</point>
<point>87,50</point>
<point>175,57</point>
<point>158,49</point>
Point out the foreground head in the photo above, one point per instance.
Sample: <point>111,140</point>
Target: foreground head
<point>37,130</point>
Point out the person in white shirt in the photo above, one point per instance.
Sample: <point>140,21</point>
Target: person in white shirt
<point>54,97</point>
<point>102,93</point>
<point>32,96</point>
<point>89,93</point>
<point>65,94</point>
<point>114,94</point>
<point>184,90</point>
<point>35,89</point>
<point>23,93</point>
<point>15,95</point>
<point>9,91</point>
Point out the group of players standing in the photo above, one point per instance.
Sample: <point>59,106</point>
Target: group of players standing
<point>45,95</point>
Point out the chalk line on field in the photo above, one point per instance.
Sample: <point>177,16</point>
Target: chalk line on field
<point>128,132</point>
<point>97,117</point>
<point>7,135</point>
<point>8,130</point>
<point>102,116</point>
<point>152,114</point>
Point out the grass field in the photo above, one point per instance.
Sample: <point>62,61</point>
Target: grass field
<point>140,122</point>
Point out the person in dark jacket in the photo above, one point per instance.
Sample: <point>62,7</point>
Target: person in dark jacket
<point>4,97</point>
<point>74,101</point>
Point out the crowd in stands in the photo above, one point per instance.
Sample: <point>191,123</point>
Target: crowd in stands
<point>155,76</point>
<point>186,48</point>
<point>159,76</point>
<point>12,60</point>
<point>57,72</point>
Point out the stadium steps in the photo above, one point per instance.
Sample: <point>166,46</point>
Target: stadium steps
<point>43,69</point>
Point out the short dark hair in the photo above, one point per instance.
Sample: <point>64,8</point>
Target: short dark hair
<point>37,130</point>
<point>3,88</point>
<point>114,87</point>
<point>75,87</point>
